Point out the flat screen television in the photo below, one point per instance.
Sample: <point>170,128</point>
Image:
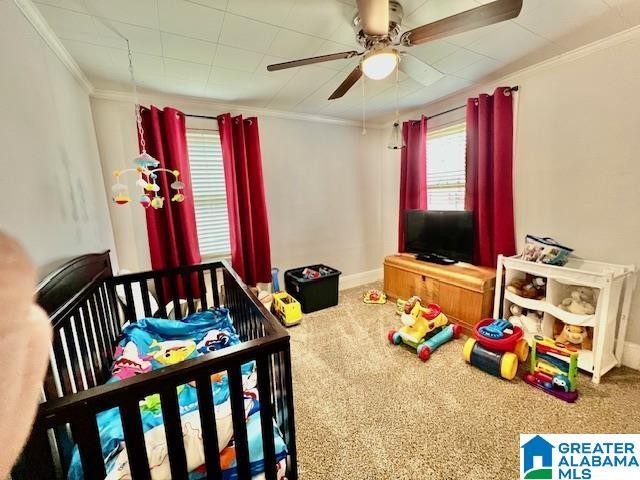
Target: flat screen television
<point>439,235</point>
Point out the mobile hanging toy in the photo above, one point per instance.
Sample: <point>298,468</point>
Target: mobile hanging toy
<point>146,167</point>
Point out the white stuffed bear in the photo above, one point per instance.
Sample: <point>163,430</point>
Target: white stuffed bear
<point>529,320</point>
<point>581,302</point>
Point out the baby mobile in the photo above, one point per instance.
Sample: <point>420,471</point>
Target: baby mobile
<point>146,167</point>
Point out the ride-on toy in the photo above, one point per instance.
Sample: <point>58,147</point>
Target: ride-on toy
<point>425,328</point>
<point>496,348</point>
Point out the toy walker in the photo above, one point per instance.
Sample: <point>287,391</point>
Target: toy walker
<point>496,348</point>
<point>425,328</point>
<point>553,368</point>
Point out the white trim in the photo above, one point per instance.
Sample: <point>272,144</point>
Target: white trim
<point>208,104</point>
<point>631,355</point>
<point>362,278</point>
<point>33,15</point>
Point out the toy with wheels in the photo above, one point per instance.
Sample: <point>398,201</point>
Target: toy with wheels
<point>425,328</point>
<point>550,372</point>
<point>287,309</point>
<point>496,348</point>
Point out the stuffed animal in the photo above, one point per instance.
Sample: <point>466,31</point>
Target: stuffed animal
<point>575,335</point>
<point>581,302</point>
<point>529,287</point>
<point>529,320</point>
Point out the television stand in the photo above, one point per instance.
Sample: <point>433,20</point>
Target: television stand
<point>465,292</point>
<point>434,258</point>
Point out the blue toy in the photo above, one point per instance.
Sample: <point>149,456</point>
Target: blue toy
<point>496,329</point>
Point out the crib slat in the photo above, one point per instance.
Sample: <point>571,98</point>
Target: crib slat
<point>103,339</point>
<point>173,432</point>
<point>214,287</point>
<point>87,364</point>
<point>239,423</point>
<point>188,291</point>
<point>290,426</point>
<point>175,297</point>
<point>203,291</point>
<point>208,422</point>
<point>97,302</point>
<point>266,417</point>
<point>86,436</point>
<point>134,439</point>
<point>71,359</point>
<point>146,304</point>
<point>130,308</point>
<point>61,363</point>
<point>162,299</point>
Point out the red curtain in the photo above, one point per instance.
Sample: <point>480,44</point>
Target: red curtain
<point>246,204</point>
<point>413,172</point>
<point>489,189</point>
<point>173,238</point>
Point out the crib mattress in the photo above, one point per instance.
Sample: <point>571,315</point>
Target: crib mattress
<point>150,344</point>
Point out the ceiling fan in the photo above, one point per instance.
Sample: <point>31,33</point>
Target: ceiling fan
<point>377,26</point>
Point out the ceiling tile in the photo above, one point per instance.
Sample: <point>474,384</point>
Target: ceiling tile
<point>189,49</point>
<point>433,10</point>
<point>239,59</point>
<point>246,33</point>
<point>345,35</point>
<point>480,69</point>
<point>225,76</point>
<point>75,5</point>
<point>285,74</point>
<point>273,11</point>
<point>92,59</point>
<point>142,39</point>
<point>431,52</point>
<point>142,64</point>
<point>219,4</point>
<point>293,45</point>
<point>140,12</point>
<point>70,25</point>
<point>304,83</point>
<point>186,70</point>
<point>332,47</point>
<point>190,19</point>
<point>467,38</point>
<point>629,10</point>
<point>419,71</point>
<point>185,86</point>
<point>318,18</point>
<point>521,42</point>
<point>458,60</point>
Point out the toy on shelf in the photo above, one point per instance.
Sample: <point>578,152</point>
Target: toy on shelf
<point>576,335</point>
<point>529,320</point>
<point>287,309</point>
<point>545,250</point>
<point>425,328</point>
<point>553,368</point>
<point>582,301</point>
<point>496,348</point>
<point>375,297</point>
<point>531,287</point>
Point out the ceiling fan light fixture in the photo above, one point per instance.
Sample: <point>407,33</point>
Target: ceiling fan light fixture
<point>379,64</point>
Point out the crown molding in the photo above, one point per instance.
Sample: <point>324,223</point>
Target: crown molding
<point>561,59</point>
<point>213,107</point>
<point>33,15</point>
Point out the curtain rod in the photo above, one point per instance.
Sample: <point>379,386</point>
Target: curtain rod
<point>200,116</point>
<point>513,89</point>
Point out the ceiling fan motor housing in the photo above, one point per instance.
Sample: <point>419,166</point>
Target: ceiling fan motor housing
<point>369,42</point>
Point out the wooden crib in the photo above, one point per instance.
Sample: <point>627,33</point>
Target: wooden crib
<point>87,316</point>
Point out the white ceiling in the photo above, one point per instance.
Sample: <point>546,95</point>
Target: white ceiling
<point>219,49</point>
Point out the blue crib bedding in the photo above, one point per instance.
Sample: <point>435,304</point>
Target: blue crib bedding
<point>150,344</point>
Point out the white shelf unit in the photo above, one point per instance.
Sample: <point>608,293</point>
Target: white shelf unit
<point>613,285</point>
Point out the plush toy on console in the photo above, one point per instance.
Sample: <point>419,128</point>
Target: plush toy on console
<point>581,302</point>
<point>425,328</point>
<point>574,335</point>
<point>529,287</point>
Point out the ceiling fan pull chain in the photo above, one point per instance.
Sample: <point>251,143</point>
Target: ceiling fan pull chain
<point>364,109</point>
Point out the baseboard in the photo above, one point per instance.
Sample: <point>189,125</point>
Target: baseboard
<point>362,278</point>
<point>631,355</point>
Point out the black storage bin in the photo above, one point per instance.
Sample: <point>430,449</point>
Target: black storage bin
<point>313,293</point>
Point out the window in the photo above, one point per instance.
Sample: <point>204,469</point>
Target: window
<point>209,194</point>
<point>446,149</point>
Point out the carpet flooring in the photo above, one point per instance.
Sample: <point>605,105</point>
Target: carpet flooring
<point>366,409</point>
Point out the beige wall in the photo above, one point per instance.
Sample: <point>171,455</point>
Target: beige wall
<point>322,183</point>
<point>576,168</point>
<point>50,176</point>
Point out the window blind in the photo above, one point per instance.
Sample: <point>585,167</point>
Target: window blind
<point>446,150</point>
<point>209,194</point>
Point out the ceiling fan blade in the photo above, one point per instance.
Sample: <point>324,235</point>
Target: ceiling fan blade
<point>312,60</point>
<point>481,16</point>
<point>349,82</point>
<point>419,71</point>
<point>374,16</point>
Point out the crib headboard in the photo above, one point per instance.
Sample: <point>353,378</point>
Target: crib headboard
<point>83,317</point>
